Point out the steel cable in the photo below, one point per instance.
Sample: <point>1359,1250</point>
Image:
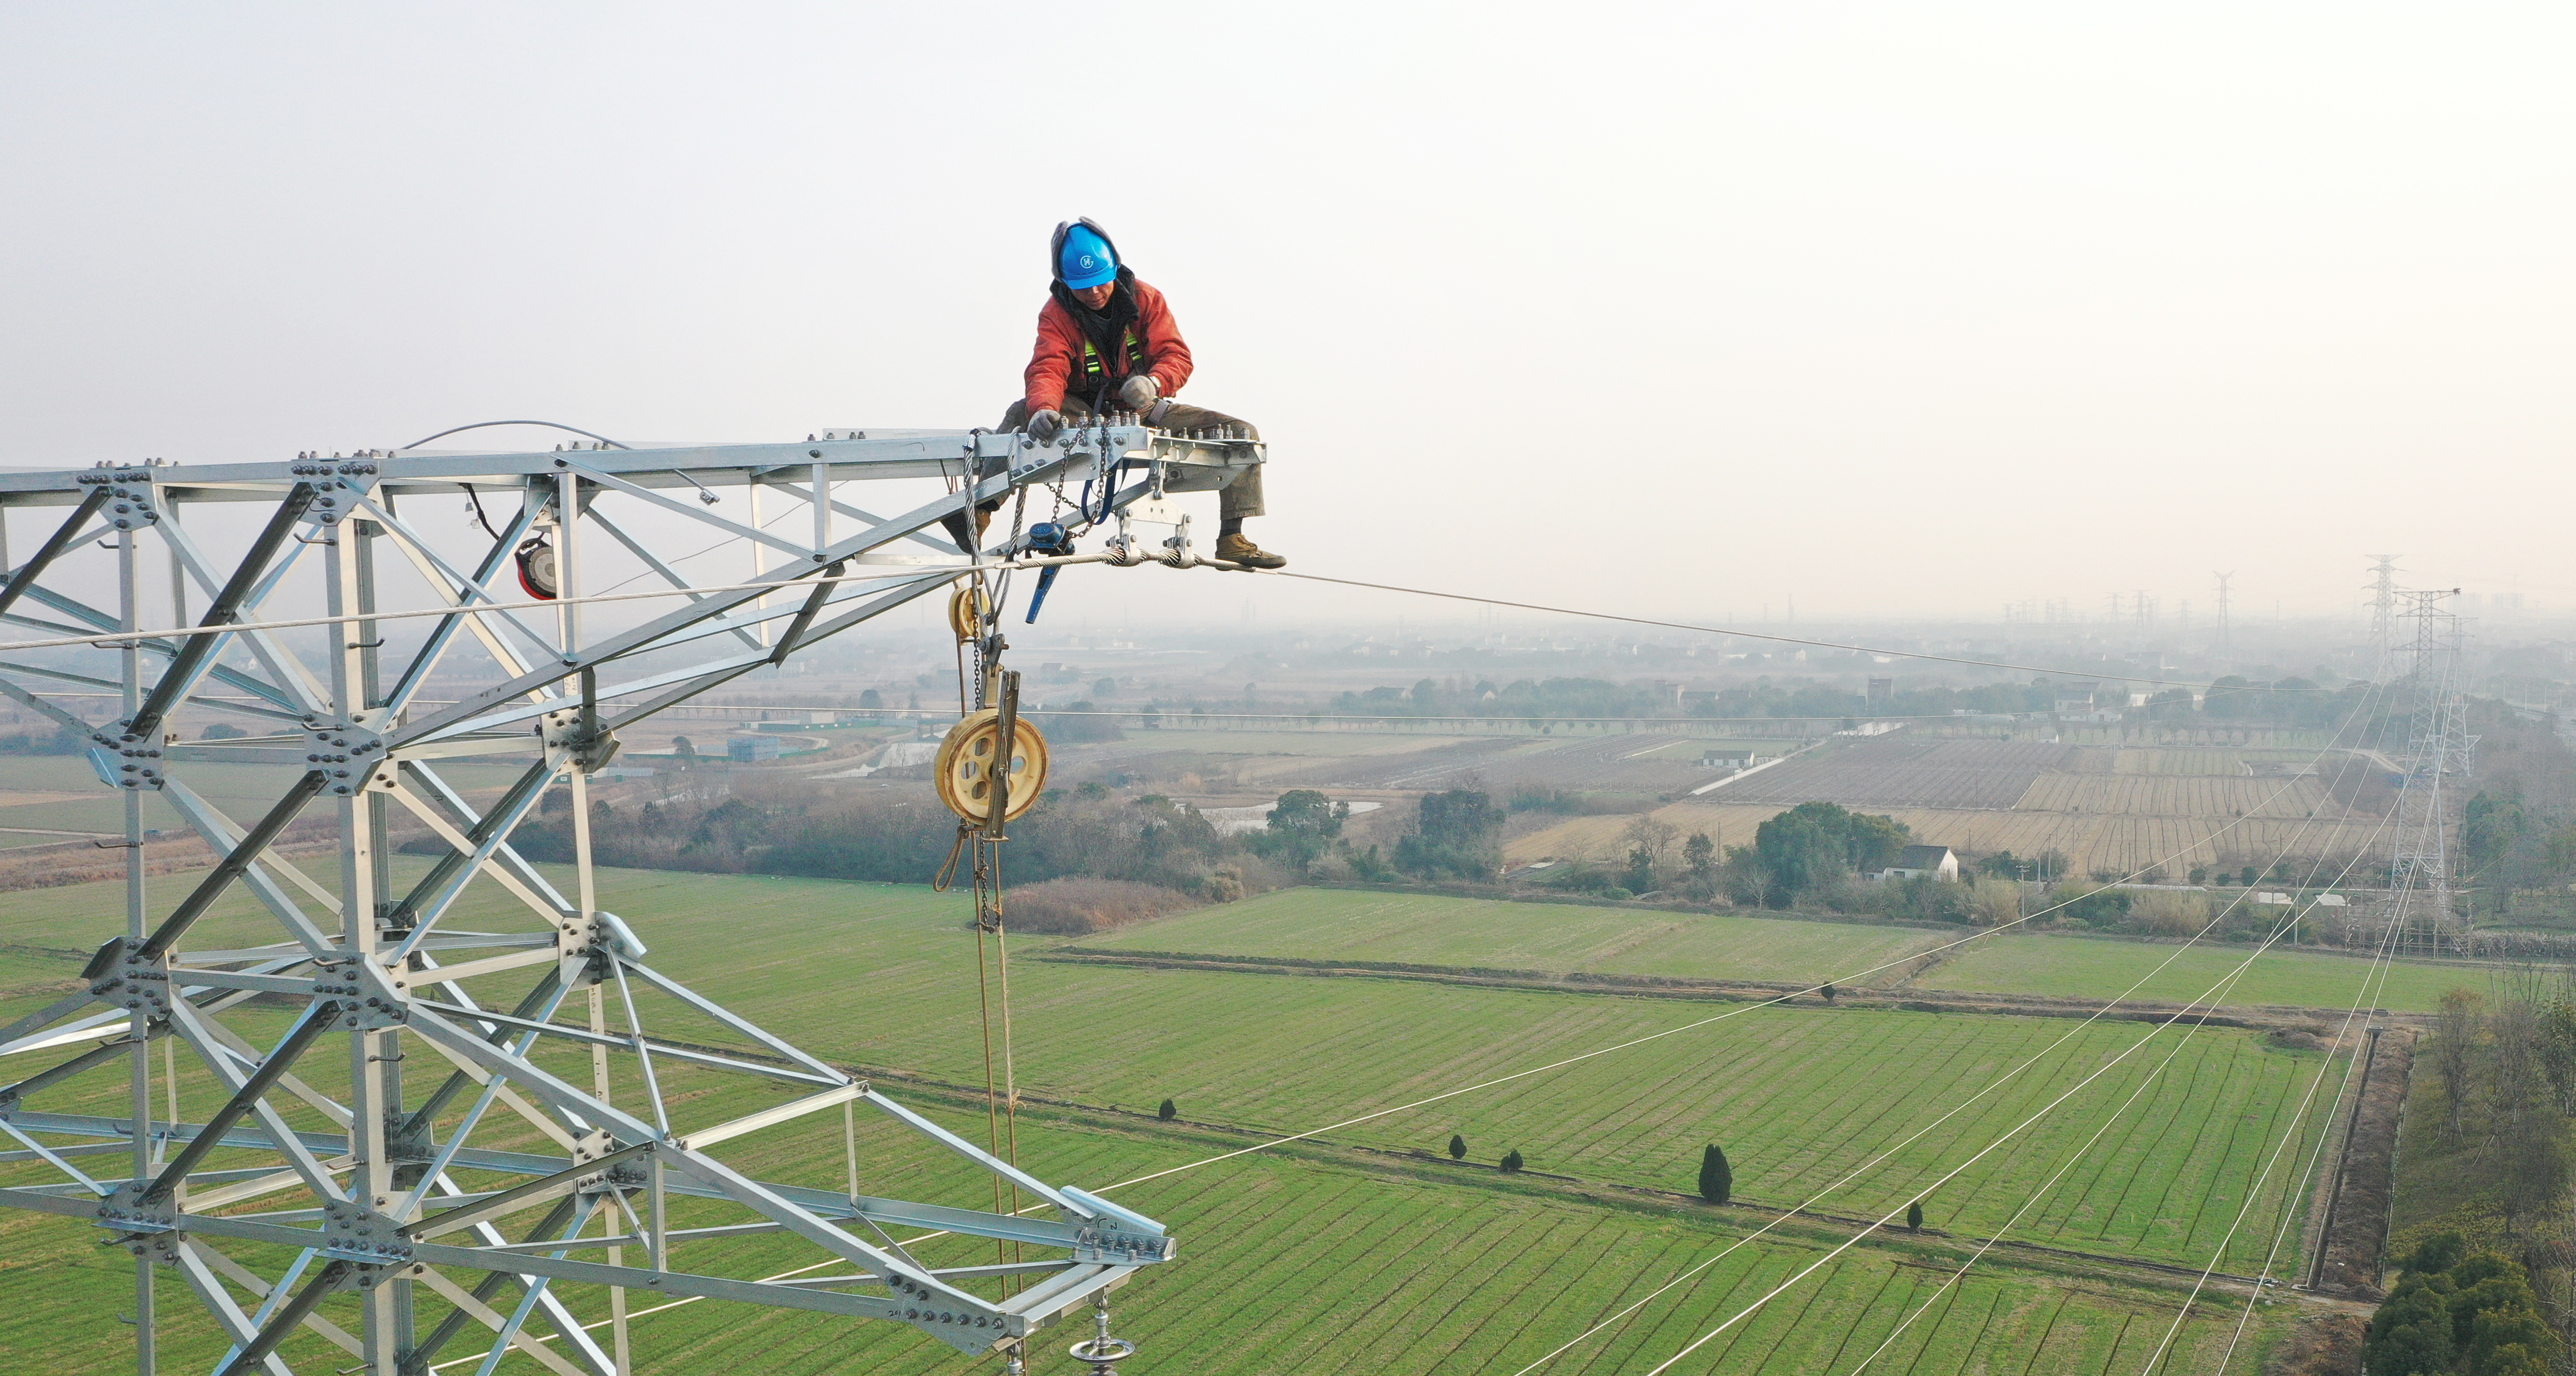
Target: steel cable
<point>1990,1087</point>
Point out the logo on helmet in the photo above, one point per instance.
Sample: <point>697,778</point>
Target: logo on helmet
<point>1087,262</point>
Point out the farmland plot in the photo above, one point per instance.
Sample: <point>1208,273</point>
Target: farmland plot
<point>1431,929</point>
<point>1893,771</point>
<point>2181,760</point>
<point>1292,1263</point>
<point>1800,1096</point>
<point>2176,795</point>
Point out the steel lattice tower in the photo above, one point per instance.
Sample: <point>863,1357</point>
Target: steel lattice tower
<point>409,1126</point>
<point>2439,750</point>
<point>2383,613</point>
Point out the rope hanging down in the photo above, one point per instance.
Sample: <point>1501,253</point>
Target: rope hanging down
<point>990,770</point>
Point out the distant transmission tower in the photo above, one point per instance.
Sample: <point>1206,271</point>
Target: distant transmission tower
<point>2438,751</point>
<point>2383,610</point>
<point>2223,625</point>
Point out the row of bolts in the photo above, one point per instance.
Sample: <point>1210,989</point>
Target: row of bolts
<point>1204,432</point>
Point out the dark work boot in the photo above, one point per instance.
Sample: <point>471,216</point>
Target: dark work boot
<point>1239,549</point>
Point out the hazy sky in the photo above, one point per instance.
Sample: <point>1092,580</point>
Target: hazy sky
<point>1901,309</point>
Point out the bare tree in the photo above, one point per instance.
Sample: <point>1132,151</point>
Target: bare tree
<point>2455,1032</point>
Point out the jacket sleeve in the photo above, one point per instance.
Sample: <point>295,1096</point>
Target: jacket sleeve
<point>1051,364</point>
<point>1167,355</point>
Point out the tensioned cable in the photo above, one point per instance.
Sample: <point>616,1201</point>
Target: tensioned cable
<point>2388,941</point>
<point>1997,929</point>
<point>2044,1110</point>
<point>105,638</point>
<point>1990,1087</point>
<point>2352,1061</point>
<point>2396,921</point>
<point>2077,1156</point>
<point>2109,672</point>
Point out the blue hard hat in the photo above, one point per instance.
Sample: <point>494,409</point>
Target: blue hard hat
<point>1084,258</point>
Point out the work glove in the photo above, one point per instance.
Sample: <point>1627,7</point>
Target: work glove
<point>1046,425</point>
<point>1139,391</point>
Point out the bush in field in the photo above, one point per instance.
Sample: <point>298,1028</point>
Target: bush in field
<point>1994,902</point>
<point>1641,870</point>
<point>2160,912</point>
<point>2089,905</point>
<point>1073,907</point>
<point>1914,1217</point>
<point>1300,828</point>
<point>1512,1161</point>
<point>1167,1111</point>
<point>1453,838</point>
<point>1716,1178</point>
<point>2454,1302</point>
<point>1457,1147</point>
<point>1803,849</point>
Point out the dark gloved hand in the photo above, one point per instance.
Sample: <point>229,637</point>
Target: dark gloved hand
<point>1046,425</point>
<point>1139,391</point>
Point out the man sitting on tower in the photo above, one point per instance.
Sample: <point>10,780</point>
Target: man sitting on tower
<point>1107,342</point>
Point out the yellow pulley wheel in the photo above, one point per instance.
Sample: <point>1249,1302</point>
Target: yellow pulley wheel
<point>967,608</point>
<point>964,768</point>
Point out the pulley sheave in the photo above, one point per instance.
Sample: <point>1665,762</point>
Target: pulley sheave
<point>965,766</point>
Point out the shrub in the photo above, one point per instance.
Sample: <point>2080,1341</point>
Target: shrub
<point>1994,902</point>
<point>2164,913</point>
<point>1914,1217</point>
<point>1168,1111</point>
<point>1075,907</point>
<point>1457,1147</point>
<point>2452,1299</point>
<point>1512,1161</point>
<point>1716,1177</point>
<point>1452,838</point>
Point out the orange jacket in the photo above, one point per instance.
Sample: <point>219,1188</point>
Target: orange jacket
<point>1057,367</point>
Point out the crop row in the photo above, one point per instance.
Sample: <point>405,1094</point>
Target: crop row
<point>2175,795</point>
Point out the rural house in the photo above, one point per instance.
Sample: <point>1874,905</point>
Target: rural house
<point>1916,861</point>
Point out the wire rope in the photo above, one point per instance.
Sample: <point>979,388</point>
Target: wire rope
<point>1273,1143</point>
<point>1991,1086</point>
<point>2352,1062</point>
<point>1953,1173</point>
<point>2076,1157</point>
<point>2388,938</point>
<point>1752,635</point>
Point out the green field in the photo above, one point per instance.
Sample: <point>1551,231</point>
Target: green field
<point>1432,929</point>
<point>243,791</point>
<point>1456,1275</point>
<point>2085,967</point>
<point>1294,1264</point>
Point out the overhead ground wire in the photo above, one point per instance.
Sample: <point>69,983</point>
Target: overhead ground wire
<point>1990,1087</point>
<point>2077,1156</point>
<point>2109,672</point>
<point>2367,999</point>
<point>1953,1173</point>
<point>2207,838</point>
<point>2362,998</point>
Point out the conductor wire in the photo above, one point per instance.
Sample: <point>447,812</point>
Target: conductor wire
<point>2359,715</point>
<point>2077,1156</point>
